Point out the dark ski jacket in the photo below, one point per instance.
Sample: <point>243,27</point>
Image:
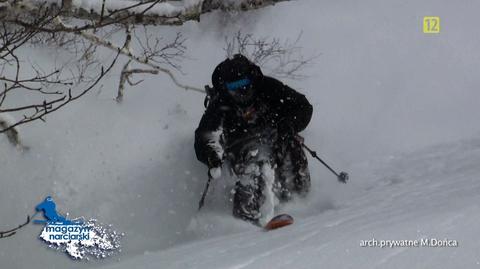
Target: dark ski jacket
<point>276,106</point>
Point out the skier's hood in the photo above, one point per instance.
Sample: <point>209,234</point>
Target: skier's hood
<point>238,70</point>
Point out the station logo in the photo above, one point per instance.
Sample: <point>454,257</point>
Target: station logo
<point>79,238</point>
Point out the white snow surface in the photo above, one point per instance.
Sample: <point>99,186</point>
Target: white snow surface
<point>429,194</point>
<point>395,108</point>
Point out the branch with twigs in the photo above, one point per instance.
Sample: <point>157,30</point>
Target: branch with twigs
<point>282,59</point>
<point>37,111</point>
<point>81,33</point>
<point>145,12</point>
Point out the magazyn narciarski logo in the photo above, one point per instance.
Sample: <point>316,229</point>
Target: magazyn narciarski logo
<point>79,238</point>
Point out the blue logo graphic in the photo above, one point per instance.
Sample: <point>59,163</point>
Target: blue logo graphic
<point>77,238</point>
<point>48,207</point>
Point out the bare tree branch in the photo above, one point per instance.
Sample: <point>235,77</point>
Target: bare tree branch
<point>80,33</point>
<point>281,59</point>
<point>149,12</point>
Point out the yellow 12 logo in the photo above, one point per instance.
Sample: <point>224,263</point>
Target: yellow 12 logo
<point>431,25</point>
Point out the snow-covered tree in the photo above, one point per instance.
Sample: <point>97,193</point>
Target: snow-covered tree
<point>82,30</point>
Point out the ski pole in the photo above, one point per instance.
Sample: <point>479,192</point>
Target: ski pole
<point>202,200</point>
<point>11,232</point>
<point>342,177</point>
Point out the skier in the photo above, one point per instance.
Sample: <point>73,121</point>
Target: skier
<point>48,207</point>
<point>251,112</point>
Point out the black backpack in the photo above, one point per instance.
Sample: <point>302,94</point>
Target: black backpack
<point>212,94</point>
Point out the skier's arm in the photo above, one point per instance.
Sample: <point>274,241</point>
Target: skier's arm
<point>292,107</point>
<point>208,147</point>
<point>297,109</point>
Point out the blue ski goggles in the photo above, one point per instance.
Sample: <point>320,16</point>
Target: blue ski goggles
<point>238,84</point>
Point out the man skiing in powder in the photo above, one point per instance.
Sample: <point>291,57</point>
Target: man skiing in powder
<point>251,124</point>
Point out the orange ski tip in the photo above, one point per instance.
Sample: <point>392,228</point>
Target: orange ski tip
<point>279,221</point>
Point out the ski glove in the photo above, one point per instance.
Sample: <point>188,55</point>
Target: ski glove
<point>214,160</point>
<point>215,172</point>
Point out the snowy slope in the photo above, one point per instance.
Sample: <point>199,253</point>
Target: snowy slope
<point>380,88</point>
<point>432,193</point>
